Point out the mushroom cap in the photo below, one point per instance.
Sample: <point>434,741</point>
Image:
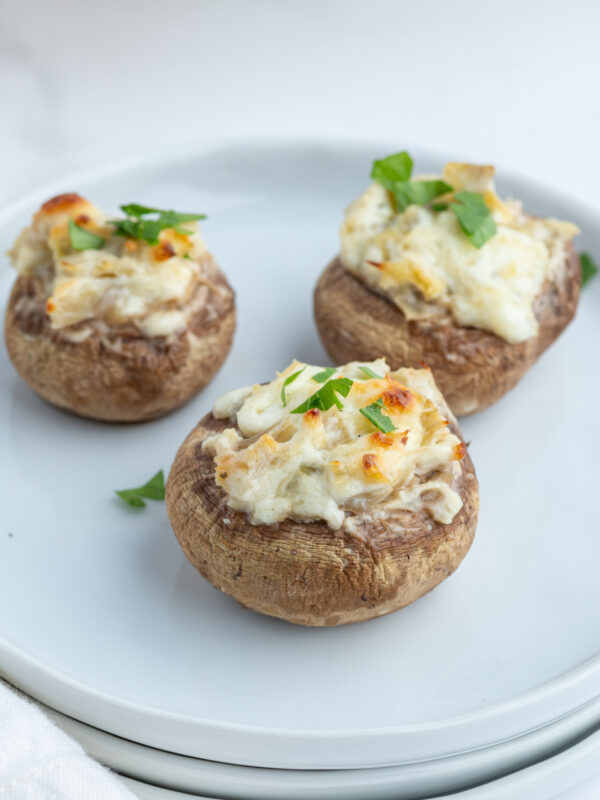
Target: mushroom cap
<point>118,374</point>
<point>306,572</point>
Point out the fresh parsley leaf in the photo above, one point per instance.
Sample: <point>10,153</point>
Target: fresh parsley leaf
<point>369,372</point>
<point>474,217</point>
<point>125,227</point>
<point>153,490</point>
<point>82,239</point>
<point>326,396</point>
<point>392,169</point>
<point>376,416</point>
<point>131,497</point>
<point>418,193</point>
<point>175,218</point>
<point>148,230</point>
<point>394,172</point>
<point>588,267</point>
<point>144,230</point>
<point>136,210</point>
<point>321,377</point>
<point>286,383</point>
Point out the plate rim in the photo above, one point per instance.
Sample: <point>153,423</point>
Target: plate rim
<point>485,764</point>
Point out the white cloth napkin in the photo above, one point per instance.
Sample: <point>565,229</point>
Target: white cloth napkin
<point>39,762</point>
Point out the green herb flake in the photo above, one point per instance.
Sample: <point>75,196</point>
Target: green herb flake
<point>136,226</point>
<point>286,383</point>
<point>153,490</point>
<point>136,210</point>
<point>418,193</point>
<point>390,170</point>
<point>474,217</point>
<point>588,267</point>
<point>327,396</point>
<point>377,418</point>
<point>369,373</point>
<point>321,377</point>
<point>394,172</point>
<point>82,239</point>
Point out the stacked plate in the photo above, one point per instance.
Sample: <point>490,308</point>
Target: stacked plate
<point>170,681</point>
<point>416,780</point>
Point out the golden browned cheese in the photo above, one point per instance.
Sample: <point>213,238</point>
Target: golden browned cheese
<point>276,463</point>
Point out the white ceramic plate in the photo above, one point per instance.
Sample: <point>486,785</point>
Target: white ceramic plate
<point>146,791</point>
<point>565,775</point>
<point>105,620</point>
<point>411,781</point>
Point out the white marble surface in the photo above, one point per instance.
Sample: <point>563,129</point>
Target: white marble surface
<point>512,83</point>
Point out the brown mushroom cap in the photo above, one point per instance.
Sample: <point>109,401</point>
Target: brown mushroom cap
<point>117,374</point>
<point>305,572</point>
<point>472,367</point>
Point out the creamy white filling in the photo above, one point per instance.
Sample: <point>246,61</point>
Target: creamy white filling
<point>424,263</point>
<point>124,281</point>
<point>324,464</point>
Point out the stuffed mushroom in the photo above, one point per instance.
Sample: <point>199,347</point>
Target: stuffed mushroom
<point>441,270</point>
<point>116,319</point>
<point>326,496</point>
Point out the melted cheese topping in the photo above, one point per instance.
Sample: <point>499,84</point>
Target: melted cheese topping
<point>323,464</point>
<point>426,265</point>
<point>126,281</point>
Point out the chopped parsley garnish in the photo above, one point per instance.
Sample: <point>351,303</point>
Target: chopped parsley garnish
<point>588,267</point>
<point>394,172</point>
<point>369,373</point>
<point>321,377</point>
<point>286,383</point>
<point>376,416</point>
<point>474,217</point>
<point>326,396</point>
<point>418,193</point>
<point>82,239</point>
<point>153,490</point>
<point>393,169</point>
<point>137,226</point>
<point>136,210</point>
